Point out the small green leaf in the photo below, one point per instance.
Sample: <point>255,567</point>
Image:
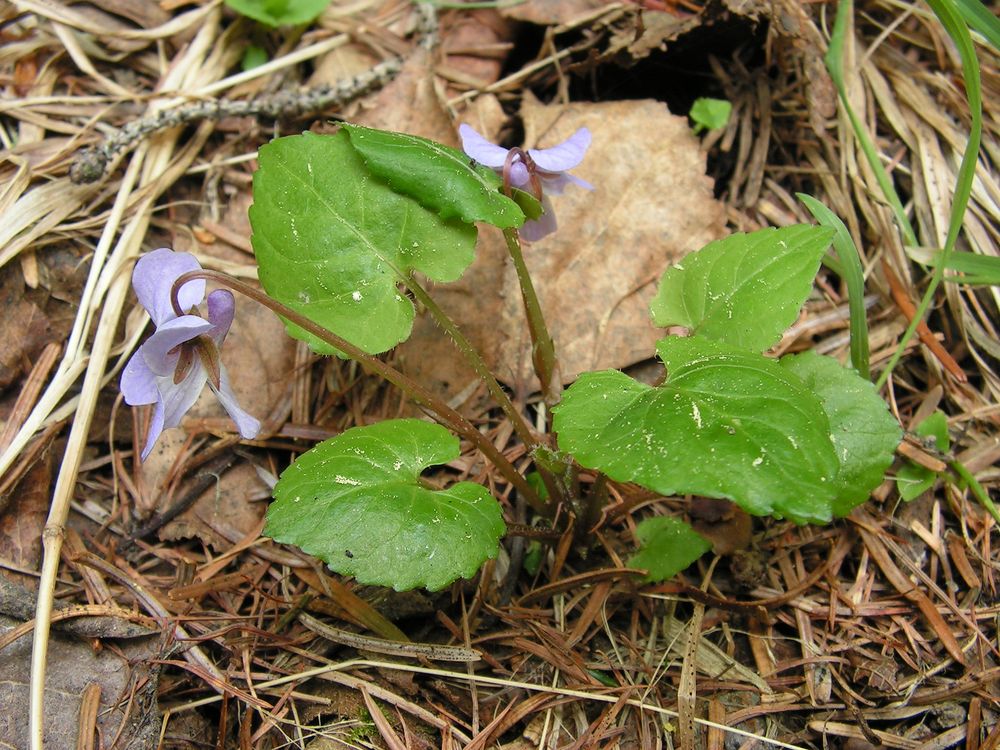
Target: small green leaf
<point>710,114</point>
<point>668,546</point>
<point>279,12</point>
<point>529,204</point>
<point>441,178</point>
<point>604,678</point>
<point>253,57</point>
<point>913,480</point>
<point>936,427</point>
<point>726,423</point>
<point>863,432</point>
<point>356,501</point>
<point>333,242</point>
<point>746,289</point>
<point>533,557</point>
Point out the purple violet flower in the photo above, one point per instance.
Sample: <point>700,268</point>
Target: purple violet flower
<point>538,171</point>
<point>172,366</point>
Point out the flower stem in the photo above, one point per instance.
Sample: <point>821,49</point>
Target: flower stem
<point>543,350</point>
<point>417,392</point>
<point>475,360</point>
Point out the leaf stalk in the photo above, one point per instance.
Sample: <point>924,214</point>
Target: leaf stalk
<point>445,414</point>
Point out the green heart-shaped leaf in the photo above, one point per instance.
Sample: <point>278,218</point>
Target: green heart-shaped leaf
<point>441,178</point>
<point>356,501</point>
<point>668,546</point>
<point>333,242</point>
<point>726,423</point>
<point>279,12</point>
<point>745,289</point>
<point>863,432</point>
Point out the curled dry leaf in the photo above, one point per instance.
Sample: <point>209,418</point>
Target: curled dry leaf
<point>554,12</point>
<point>22,518</point>
<point>596,274</point>
<point>475,46</point>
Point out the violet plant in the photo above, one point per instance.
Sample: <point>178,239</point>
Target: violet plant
<point>171,368</point>
<point>345,226</point>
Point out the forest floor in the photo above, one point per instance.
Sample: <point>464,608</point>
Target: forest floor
<point>175,624</point>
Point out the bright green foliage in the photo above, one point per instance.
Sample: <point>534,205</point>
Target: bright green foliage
<point>979,18</point>
<point>279,12</point>
<point>357,502</point>
<point>851,271</point>
<point>253,57</point>
<point>913,480</point>
<point>710,114</point>
<point>975,269</point>
<point>743,290</point>
<point>726,423</point>
<point>441,178</point>
<point>333,241</point>
<point>862,430</point>
<point>668,546</point>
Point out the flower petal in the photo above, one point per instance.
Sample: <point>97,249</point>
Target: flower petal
<point>179,397</point>
<point>481,149</point>
<point>519,175</point>
<point>221,310</point>
<point>554,184</point>
<point>155,274</point>
<point>248,426</point>
<point>155,430</point>
<point>156,350</point>
<point>138,383</point>
<point>532,231</point>
<point>565,156</point>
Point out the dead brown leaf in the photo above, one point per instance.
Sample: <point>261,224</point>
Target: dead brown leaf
<point>596,275</point>
<point>553,12</point>
<point>73,666</point>
<point>24,327</point>
<point>475,45</point>
<point>727,526</point>
<point>23,519</point>
<point>409,104</point>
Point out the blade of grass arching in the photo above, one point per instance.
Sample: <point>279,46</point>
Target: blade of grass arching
<point>981,20</point>
<point>854,276</point>
<point>976,269</point>
<point>953,23</point>
<point>975,488</point>
<point>835,66</point>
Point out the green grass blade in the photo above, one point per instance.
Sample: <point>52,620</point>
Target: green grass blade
<point>981,20</point>
<point>853,274</point>
<point>955,25</point>
<point>835,65</point>
<point>978,491</point>
<point>975,269</point>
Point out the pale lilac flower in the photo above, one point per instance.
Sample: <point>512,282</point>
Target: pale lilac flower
<point>173,365</point>
<point>541,171</point>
